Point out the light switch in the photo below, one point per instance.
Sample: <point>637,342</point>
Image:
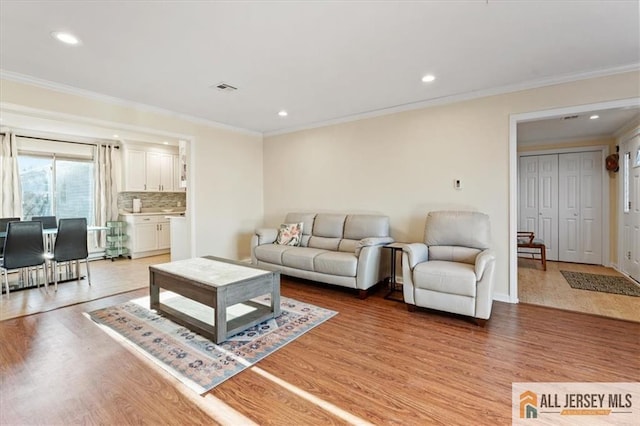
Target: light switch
<point>457,184</point>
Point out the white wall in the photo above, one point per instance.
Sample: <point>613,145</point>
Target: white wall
<point>403,165</point>
<point>224,195</point>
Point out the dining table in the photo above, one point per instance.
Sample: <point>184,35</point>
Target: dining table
<point>53,231</point>
<point>49,234</point>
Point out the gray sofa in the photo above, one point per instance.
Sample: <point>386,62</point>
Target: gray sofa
<point>340,249</point>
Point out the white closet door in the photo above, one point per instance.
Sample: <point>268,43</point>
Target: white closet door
<point>569,191</point>
<point>580,212</point>
<point>631,211</point>
<point>591,207</point>
<point>538,199</point>
<point>548,196</point>
<point>529,194</point>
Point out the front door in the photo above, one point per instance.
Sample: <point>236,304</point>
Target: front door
<point>631,208</point>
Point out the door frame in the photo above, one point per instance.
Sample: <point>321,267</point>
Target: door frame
<point>514,119</point>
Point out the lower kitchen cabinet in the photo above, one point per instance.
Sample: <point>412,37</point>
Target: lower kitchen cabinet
<point>149,235</point>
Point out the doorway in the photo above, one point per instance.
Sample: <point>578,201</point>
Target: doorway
<point>513,173</point>
<point>562,200</point>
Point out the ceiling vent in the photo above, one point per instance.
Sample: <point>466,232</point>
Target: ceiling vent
<point>224,87</point>
<point>570,117</point>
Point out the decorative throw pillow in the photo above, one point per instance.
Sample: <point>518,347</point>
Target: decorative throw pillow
<point>290,234</point>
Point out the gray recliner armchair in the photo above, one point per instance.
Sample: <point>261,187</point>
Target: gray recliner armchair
<point>453,270</point>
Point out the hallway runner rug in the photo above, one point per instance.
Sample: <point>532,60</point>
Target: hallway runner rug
<point>603,283</point>
<point>196,361</point>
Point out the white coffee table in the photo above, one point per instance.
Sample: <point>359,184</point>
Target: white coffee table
<point>217,283</point>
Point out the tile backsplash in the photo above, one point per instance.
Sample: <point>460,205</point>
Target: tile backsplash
<point>152,199</point>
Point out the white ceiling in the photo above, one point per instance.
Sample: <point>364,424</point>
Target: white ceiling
<point>321,61</point>
<point>578,126</point>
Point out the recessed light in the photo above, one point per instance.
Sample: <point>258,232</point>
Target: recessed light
<point>594,117</point>
<point>283,113</point>
<point>115,136</point>
<point>165,143</point>
<point>428,78</point>
<point>67,38</point>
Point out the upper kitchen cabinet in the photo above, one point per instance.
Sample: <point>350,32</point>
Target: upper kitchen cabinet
<point>150,168</point>
<point>160,175</point>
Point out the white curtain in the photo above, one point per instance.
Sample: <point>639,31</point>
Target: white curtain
<point>10,193</point>
<point>107,185</point>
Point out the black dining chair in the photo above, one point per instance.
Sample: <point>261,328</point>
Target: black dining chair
<point>23,248</point>
<point>3,228</point>
<point>70,245</point>
<point>48,222</point>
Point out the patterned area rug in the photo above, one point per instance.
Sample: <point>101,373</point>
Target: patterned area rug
<point>196,361</point>
<point>603,283</point>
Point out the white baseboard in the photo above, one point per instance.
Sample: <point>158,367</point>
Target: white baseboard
<point>501,297</point>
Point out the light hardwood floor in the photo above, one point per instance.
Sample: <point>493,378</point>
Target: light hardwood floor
<point>549,288</point>
<point>373,363</point>
<point>109,277</point>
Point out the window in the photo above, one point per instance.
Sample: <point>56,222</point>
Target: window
<point>56,185</point>
<point>625,183</point>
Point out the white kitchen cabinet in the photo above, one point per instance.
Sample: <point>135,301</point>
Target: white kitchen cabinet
<point>136,169</point>
<point>150,235</point>
<point>150,170</point>
<point>159,172</point>
<point>164,235</point>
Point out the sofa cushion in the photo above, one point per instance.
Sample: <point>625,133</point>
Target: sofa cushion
<point>301,257</point>
<point>329,225</point>
<point>458,228</point>
<point>454,254</point>
<point>336,263</point>
<point>446,277</point>
<point>307,220</point>
<point>289,234</point>
<point>348,246</point>
<point>271,253</point>
<point>324,243</point>
<point>359,226</point>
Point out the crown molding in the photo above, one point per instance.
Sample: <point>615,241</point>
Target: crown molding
<point>465,96</point>
<point>81,120</point>
<point>63,88</point>
<point>629,128</point>
<point>459,97</point>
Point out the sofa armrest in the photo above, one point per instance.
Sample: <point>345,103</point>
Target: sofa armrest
<point>483,259</point>
<point>266,235</point>
<point>372,266</point>
<point>485,267</point>
<point>416,253</point>
<point>372,241</point>
<point>262,236</point>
